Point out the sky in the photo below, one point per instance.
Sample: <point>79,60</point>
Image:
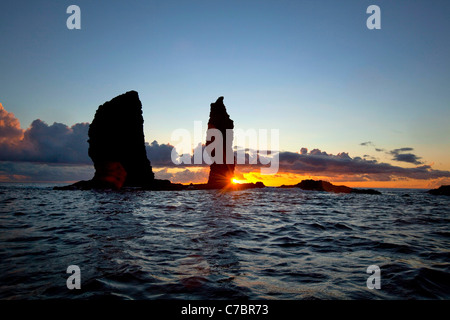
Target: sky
<point>376,102</point>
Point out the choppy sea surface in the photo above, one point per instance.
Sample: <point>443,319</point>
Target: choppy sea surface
<point>253,244</point>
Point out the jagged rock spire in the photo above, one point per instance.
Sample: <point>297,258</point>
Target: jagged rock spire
<point>220,175</point>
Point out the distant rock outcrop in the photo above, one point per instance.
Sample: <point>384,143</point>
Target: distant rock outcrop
<point>322,186</point>
<point>441,191</point>
<point>220,174</point>
<point>319,185</point>
<point>365,191</point>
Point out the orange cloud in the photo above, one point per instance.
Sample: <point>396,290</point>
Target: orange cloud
<point>10,130</point>
<point>56,143</point>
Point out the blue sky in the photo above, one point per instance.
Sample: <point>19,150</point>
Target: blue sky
<point>309,68</point>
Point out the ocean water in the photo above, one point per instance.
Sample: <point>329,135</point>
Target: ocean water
<point>255,244</point>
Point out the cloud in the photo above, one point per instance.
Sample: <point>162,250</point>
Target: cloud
<point>371,144</point>
<point>10,130</point>
<point>159,154</point>
<point>43,172</point>
<point>320,163</point>
<point>193,175</point>
<point>401,150</point>
<point>400,154</point>
<point>60,153</point>
<point>56,143</point>
<point>43,152</point>
<point>405,157</point>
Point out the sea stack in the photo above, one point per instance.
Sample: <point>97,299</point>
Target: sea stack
<point>221,172</point>
<point>117,148</point>
<point>441,191</point>
<point>117,145</point>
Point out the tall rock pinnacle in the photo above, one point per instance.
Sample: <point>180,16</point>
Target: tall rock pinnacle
<point>117,145</point>
<point>220,174</point>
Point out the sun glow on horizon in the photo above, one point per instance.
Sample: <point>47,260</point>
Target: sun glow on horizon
<point>238,181</point>
<point>288,178</point>
<point>198,175</point>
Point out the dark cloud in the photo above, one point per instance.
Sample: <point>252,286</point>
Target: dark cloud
<point>159,154</point>
<point>407,157</point>
<point>402,150</point>
<point>56,143</point>
<point>398,155</point>
<point>371,144</point>
<point>44,172</point>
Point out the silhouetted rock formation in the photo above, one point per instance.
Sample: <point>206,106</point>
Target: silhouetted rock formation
<point>117,145</point>
<point>441,191</point>
<point>319,185</point>
<point>117,148</point>
<point>116,137</point>
<point>220,174</point>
